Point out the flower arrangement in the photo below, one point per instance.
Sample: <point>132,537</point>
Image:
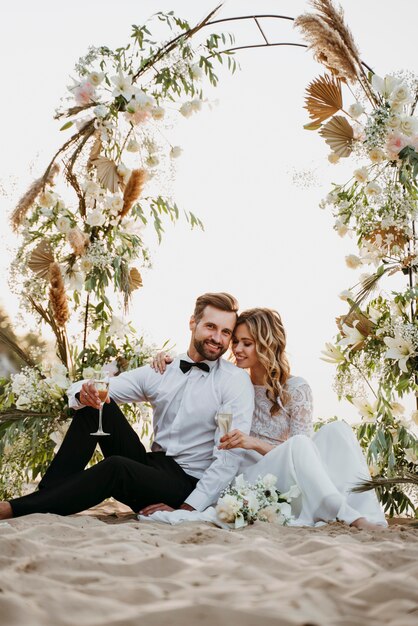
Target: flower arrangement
<point>376,348</point>
<point>243,503</point>
<point>81,224</point>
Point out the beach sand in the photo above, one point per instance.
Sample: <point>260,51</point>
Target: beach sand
<point>106,568</point>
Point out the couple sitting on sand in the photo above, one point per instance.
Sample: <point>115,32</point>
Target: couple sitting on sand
<point>190,464</point>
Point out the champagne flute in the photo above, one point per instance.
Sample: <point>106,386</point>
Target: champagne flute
<point>224,419</point>
<point>101,383</point>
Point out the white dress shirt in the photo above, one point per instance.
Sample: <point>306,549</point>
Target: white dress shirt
<point>184,412</point>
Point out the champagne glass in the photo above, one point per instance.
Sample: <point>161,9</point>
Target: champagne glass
<point>224,419</point>
<point>101,383</point>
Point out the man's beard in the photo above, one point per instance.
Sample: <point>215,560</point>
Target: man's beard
<point>201,348</point>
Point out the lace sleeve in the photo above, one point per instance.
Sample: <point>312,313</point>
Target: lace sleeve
<point>300,408</point>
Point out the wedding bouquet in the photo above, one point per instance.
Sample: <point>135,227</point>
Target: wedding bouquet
<point>242,503</point>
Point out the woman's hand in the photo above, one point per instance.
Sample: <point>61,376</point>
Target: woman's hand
<point>236,439</point>
<point>160,362</point>
<point>90,397</point>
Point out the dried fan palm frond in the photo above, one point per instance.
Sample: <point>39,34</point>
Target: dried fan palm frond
<point>338,134</point>
<point>41,258</point>
<point>389,237</point>
<point>107,173</point>
<point>94,152</point>
<point>328,47</point>
<point>135,279</point>
<point>57,296</point>
<point>78,241</point>
<point>364,325</point>
<point>133,190</point>
<point>324,98</point>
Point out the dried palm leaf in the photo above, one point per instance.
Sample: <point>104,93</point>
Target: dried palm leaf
<point>364,325</point>
<point>338,134</point>
<point>389,237</point>
<point>107,173</point>
<point>135,279</point>
<point>324,98</point>
<point>41,258</point>
<point>367,485</point>
<point>94,152</point>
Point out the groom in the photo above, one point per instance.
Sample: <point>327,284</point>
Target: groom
<point>185,469</point>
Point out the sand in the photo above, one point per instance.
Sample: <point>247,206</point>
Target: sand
<point>84,571</point>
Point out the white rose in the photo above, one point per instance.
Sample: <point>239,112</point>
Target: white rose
<point>400,95</point>
<point>361,175</point>
<point>118,327</point>
<point>95,78</point>
<point>196,71</point>
<point>227,508</point>
<point>252,502</point>
<point>373,189</point>
<point>115,204</point>
<point>175,152</point>
<point>376,155</point>
<point>157,113</point>
<point>85,265</point>
<point>100,111</point>
<point>186,109</point>
<point>268,514</point>
<point>133,146</point>
<point>269,481</point>
<point>352,261</point>
<point>63,224</point>
<point>88,372</point>
<point>408,124</point>
<point>96,218</point>
<point>355,110</point>
<point>394,122</point>
<point>333,157</point>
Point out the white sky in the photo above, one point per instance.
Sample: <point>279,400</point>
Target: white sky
<point>265,240</point>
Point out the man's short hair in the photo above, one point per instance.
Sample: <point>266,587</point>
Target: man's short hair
<point>223,301</point>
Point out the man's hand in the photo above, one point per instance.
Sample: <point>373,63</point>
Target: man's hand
<point>153,508</point>
<point>187,507</point>
<point>90,397</point>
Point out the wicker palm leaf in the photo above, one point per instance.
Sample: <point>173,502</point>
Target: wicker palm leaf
<point>107,173</point>
<point>338,134</point>
<point>135,279</point>
<point>364,324</point>
<point>324,98</point>
<point>41,259</point>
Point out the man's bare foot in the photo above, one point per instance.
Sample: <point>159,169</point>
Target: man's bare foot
<point>6,511</point>
<point>362,524</point>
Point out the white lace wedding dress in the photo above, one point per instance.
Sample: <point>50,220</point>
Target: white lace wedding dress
<point>325,465</point>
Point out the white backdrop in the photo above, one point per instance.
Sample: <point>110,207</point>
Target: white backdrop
<point>243,170</point>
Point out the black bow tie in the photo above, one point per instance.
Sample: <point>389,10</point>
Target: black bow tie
<point>186,366</point>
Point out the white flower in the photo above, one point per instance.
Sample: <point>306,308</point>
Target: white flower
<point>408,124</point>
<point>269,481</point>
<point>88,372</point>
<point>333,157</point>
<point>332,354</point>
<point>373,189</point>
<point>361,175</point>
<point>401,95</point>
<point>158,113</point>
<point>240,483</point>
<point>85,265</point>
<point>374,469</point>
<point>63,224</point>
<point>96,218</point>
<point>141,101</point>
<point>366,410</point>
<point>376,155</point>
<point>186,109</point>
<point>95,78</point>
<point>352,261</point>
<point>227,508</point>
<point>196,71</point>
<point>345,295</point>
<point>124,171</point>
<point>397,409</point>
<point>291,494</point>
<point>123,86</point>
<point>196,105</point>
<point>133,146</point>
<point>152,160</point>
<point>92,189</point>
<point>100,111</point>
<point>399,349</point>
<point>374,314</point>
<point>386,85</point>
<point>18,383</point>
<point>355,110</point>
<point>47,199</point>
<point>268,514</point>
<point>285,511</point>
<point>114,204</point>
<point>414,417</point>
<point>175,152</point>
<point>131,226</point>
<point>252,502</point>
<point>352,336</point>
<point>411,456</point>
<point>341,228</point>
<point>23,402</point>
<point>118,327</point>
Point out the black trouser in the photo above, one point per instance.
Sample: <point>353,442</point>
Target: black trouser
<point>128,473</point>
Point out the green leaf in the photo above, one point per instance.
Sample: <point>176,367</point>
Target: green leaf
<point>67,125</point>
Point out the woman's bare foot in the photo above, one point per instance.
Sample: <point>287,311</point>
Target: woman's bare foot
<point>6,511</point>
<point>362,524</point>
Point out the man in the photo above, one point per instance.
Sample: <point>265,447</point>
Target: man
<point>185,468</point>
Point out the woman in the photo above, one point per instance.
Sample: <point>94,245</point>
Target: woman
<point>326,465</point>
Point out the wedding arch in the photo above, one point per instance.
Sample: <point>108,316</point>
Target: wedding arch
<point>82,248</point>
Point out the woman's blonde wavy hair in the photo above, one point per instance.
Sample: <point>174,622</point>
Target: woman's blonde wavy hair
<point>266,328</point>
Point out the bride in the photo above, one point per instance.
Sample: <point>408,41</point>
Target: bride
<point>324,465</point>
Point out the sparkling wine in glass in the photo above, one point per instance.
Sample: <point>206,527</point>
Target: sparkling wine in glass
<point>224,418</point>
<point>101,383</point>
